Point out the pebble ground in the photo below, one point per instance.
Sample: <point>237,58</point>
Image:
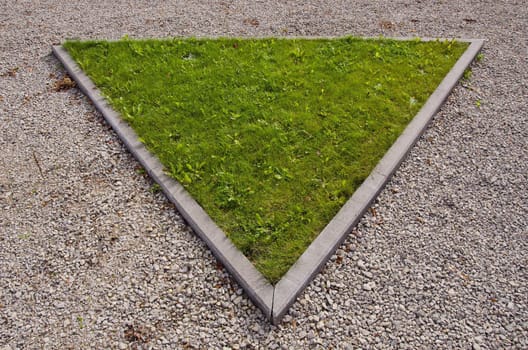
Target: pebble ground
<point>91,256</point>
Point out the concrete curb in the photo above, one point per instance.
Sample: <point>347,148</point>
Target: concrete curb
<point>274,301</point>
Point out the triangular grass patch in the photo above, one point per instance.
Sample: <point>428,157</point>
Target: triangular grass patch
<point>270,136</point>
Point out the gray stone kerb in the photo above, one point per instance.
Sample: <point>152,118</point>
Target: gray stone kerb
<point>274,301</point>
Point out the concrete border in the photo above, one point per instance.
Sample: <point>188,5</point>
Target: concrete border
<point>274,301</point>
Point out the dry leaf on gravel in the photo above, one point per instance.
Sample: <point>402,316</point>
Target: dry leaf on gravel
<point>10,73</point>
<point>136,334</point>
<point>63,84</point>
<point>252,21</point>
<point>387,25</point>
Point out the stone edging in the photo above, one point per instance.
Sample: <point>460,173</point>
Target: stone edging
<point>274,301</point>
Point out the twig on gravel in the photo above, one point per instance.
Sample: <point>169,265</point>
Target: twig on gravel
<point>38,164</point>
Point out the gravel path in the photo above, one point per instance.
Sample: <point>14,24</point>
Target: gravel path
<point>92,257</point>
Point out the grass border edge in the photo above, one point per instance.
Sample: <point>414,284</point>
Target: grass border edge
<point>274,301</point>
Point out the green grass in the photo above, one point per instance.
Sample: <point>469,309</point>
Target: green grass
<point>270,136</point>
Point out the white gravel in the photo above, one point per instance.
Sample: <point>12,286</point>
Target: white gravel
<point>91,257</point>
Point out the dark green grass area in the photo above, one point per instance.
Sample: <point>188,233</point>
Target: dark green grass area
<point>270,136</point>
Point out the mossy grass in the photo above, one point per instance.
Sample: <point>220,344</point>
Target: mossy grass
<point>271,136</point>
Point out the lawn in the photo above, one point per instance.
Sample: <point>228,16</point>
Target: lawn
<point>271,136</point>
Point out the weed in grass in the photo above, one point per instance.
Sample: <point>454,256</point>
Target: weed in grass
<point>271,136</point>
